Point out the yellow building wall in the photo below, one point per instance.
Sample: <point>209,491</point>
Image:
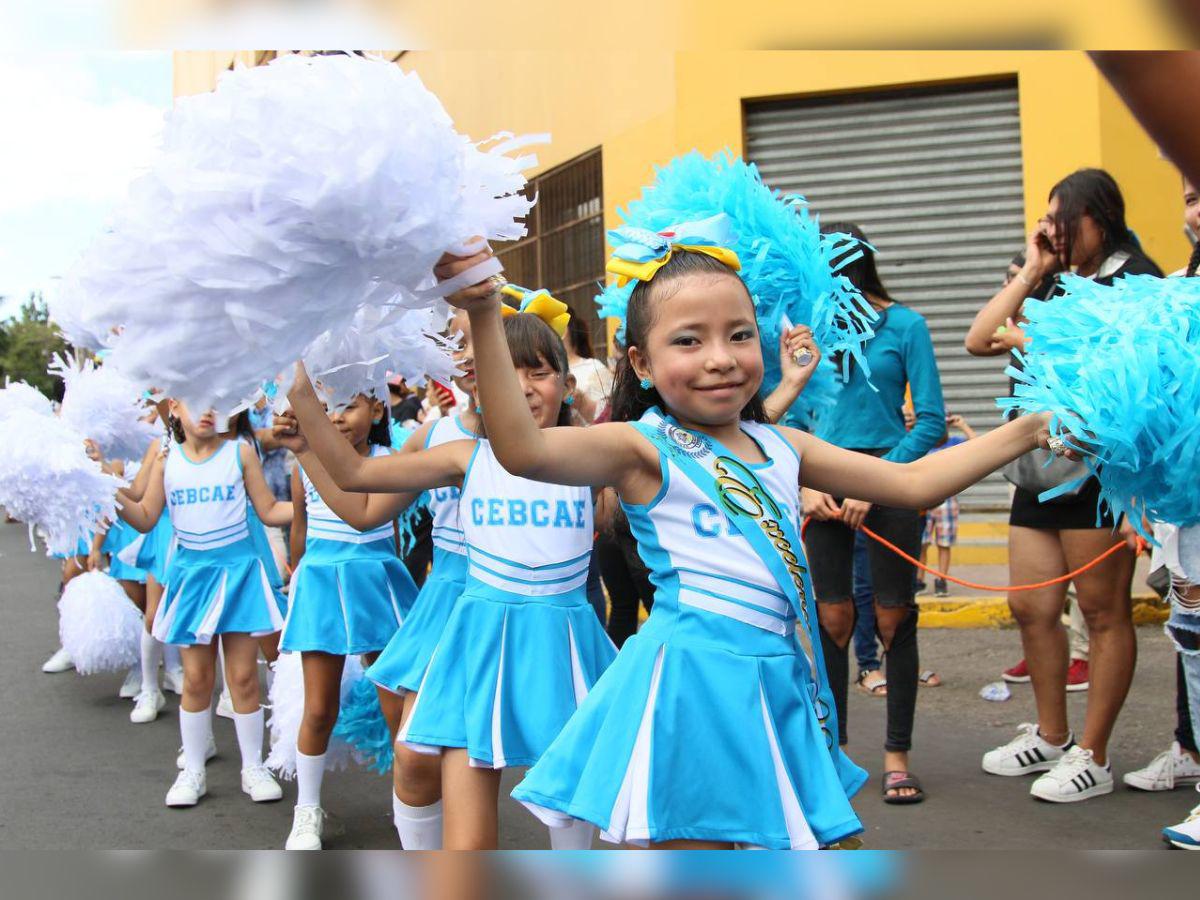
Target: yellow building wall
<point>643,107</point>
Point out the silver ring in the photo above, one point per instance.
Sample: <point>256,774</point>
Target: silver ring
<point>802,357</point>
<point>1057,445</point>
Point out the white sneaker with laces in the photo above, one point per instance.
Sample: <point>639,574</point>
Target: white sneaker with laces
<point>260,785</point>
<point>173,681</point>
<point>188,788</point>
<point>59,661</point>
<point>1185,835</point>
<point>1170,769</point>
<point>306,828</point>
<point>209,752</point>
<point>146,707</point>
<point>132,685</point>
<point>225,705</point>
<point>1076,777</point>
<point>1028,752</point>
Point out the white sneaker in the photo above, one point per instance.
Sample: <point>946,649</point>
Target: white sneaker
<point>225,705</point>
<point>132,685</point>
<point>188,788</point>
<point>1185,835</point>
<point>1075,778</point>
<point>260,785</point>
<point>60,661</point>
<point>1028,752</point>
<point>173,681</point>
<point>306,828</point>
<point>1167,771</point>
<point>146,707</point>
<point>209,752</point>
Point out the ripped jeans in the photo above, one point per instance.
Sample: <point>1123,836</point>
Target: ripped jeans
<point>1183,628</point>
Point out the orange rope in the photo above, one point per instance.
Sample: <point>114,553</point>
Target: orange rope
<point>987,587</point>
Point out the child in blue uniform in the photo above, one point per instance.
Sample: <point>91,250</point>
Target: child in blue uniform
<point>216,584</point>
<point>522,646</point>
<point>349,593</point>
<point>727,673</point>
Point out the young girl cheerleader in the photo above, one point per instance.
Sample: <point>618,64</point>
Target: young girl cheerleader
<point>216,585</point>
<point>720,673</point>
<point>416,777</point>
<point>522,646</point>
<point>349,593</point>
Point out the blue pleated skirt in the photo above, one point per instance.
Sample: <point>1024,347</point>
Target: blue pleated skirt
<point>211,592</point>
<point>150,552</point>
<point>402,664</point>
<point>508,673</point>
<point>347,598</point>
<point>262,545</point>
<point>120,536</point>
<point>703,729</point>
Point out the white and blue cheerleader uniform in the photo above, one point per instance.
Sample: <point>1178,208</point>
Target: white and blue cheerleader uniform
<point>217,581</point>
<point>523,645</point>
<point>715,722</point>
<point>401,666</point>
<point>151,552</point>
<point>350,591</point>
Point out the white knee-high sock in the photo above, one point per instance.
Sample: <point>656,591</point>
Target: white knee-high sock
<point>249,728</point>
<point>576,836</point>
<point>194,729</point>
<point>171,658</point>
<point>310,772</point>
<point>151,649</point>
<point>419,827</point>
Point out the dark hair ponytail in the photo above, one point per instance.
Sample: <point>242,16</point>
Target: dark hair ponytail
<point>629,399</point>
<point>175,428</point>
<point>1194,261</point>
<point>381,431</point>
<point>242,427</point>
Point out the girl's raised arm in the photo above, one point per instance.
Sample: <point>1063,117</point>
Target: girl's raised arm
<point>919,484</point>
<point>143,513</point>
<point>142,478</point>
<point>298,533</point>
<point>276,513</point>
<point>600,455</point>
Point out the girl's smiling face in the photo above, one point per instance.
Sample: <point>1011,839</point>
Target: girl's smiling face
<point>464,354</point>
<point>702,349</point>
<point>543,388</point>
<point>355,421</point>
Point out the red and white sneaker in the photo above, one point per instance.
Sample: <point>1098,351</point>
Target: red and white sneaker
<point>1018,674</point>
<point>1077,675</point>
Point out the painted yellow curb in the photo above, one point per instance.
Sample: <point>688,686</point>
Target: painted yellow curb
<point>993,612</point>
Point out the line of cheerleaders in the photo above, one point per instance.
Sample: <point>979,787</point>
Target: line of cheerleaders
<point>713,726</point>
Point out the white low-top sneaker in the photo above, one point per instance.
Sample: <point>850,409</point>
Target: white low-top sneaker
<point>1028,752</point>
<point>173,681</point>
<point>132,685</point>
<point>261,785</point>
<point>209,752</point>
<point>225,705</point>
<point>1076,777</point>
<point>307,822</point>
<point>1185,835</point>
<point>59,661</point>
<point>146,707</point>
<point>188,788</point>
<point>1170,769</point>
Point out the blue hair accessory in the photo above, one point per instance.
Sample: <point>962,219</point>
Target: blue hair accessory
<point>1115,365</point>
<point>645,384</point>
<point>790,269</point>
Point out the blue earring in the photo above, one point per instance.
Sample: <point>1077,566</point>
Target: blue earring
<point>645,384</point>
<point>569,400</point>
<point>479,410</point>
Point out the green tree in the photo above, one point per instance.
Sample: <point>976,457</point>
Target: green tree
<point>27,342</point>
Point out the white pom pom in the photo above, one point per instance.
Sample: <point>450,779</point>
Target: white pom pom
<point>47,480</point>
<point>287,711</point>
<point>281,204</point>
<point>17,395</point>
<point>100,403</point>
<point>98,624</point>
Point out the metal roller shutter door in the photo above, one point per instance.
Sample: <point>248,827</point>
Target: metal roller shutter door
<point>933,176</point>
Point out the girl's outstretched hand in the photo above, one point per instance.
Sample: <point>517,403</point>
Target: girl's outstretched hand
<point>450,265</point>
<point>1056,445</point>
<point>286,429</point>
<point>798,355</point>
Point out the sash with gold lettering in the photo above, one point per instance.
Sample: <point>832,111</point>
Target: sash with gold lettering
<point>767,527</point>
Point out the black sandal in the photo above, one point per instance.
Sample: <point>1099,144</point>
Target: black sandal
<point>894,781</point>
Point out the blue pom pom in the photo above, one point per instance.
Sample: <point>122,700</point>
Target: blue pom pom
<point>788,266</point>
<point>408,521</point>
<point>1117,367</point>
<point>361,724</point>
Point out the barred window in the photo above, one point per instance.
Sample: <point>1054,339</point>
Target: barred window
<point>564,249</point>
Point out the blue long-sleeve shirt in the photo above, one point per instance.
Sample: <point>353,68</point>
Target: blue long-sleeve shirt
<point>900,354</point>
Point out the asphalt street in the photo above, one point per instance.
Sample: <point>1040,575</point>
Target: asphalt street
<point>76,774</point>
